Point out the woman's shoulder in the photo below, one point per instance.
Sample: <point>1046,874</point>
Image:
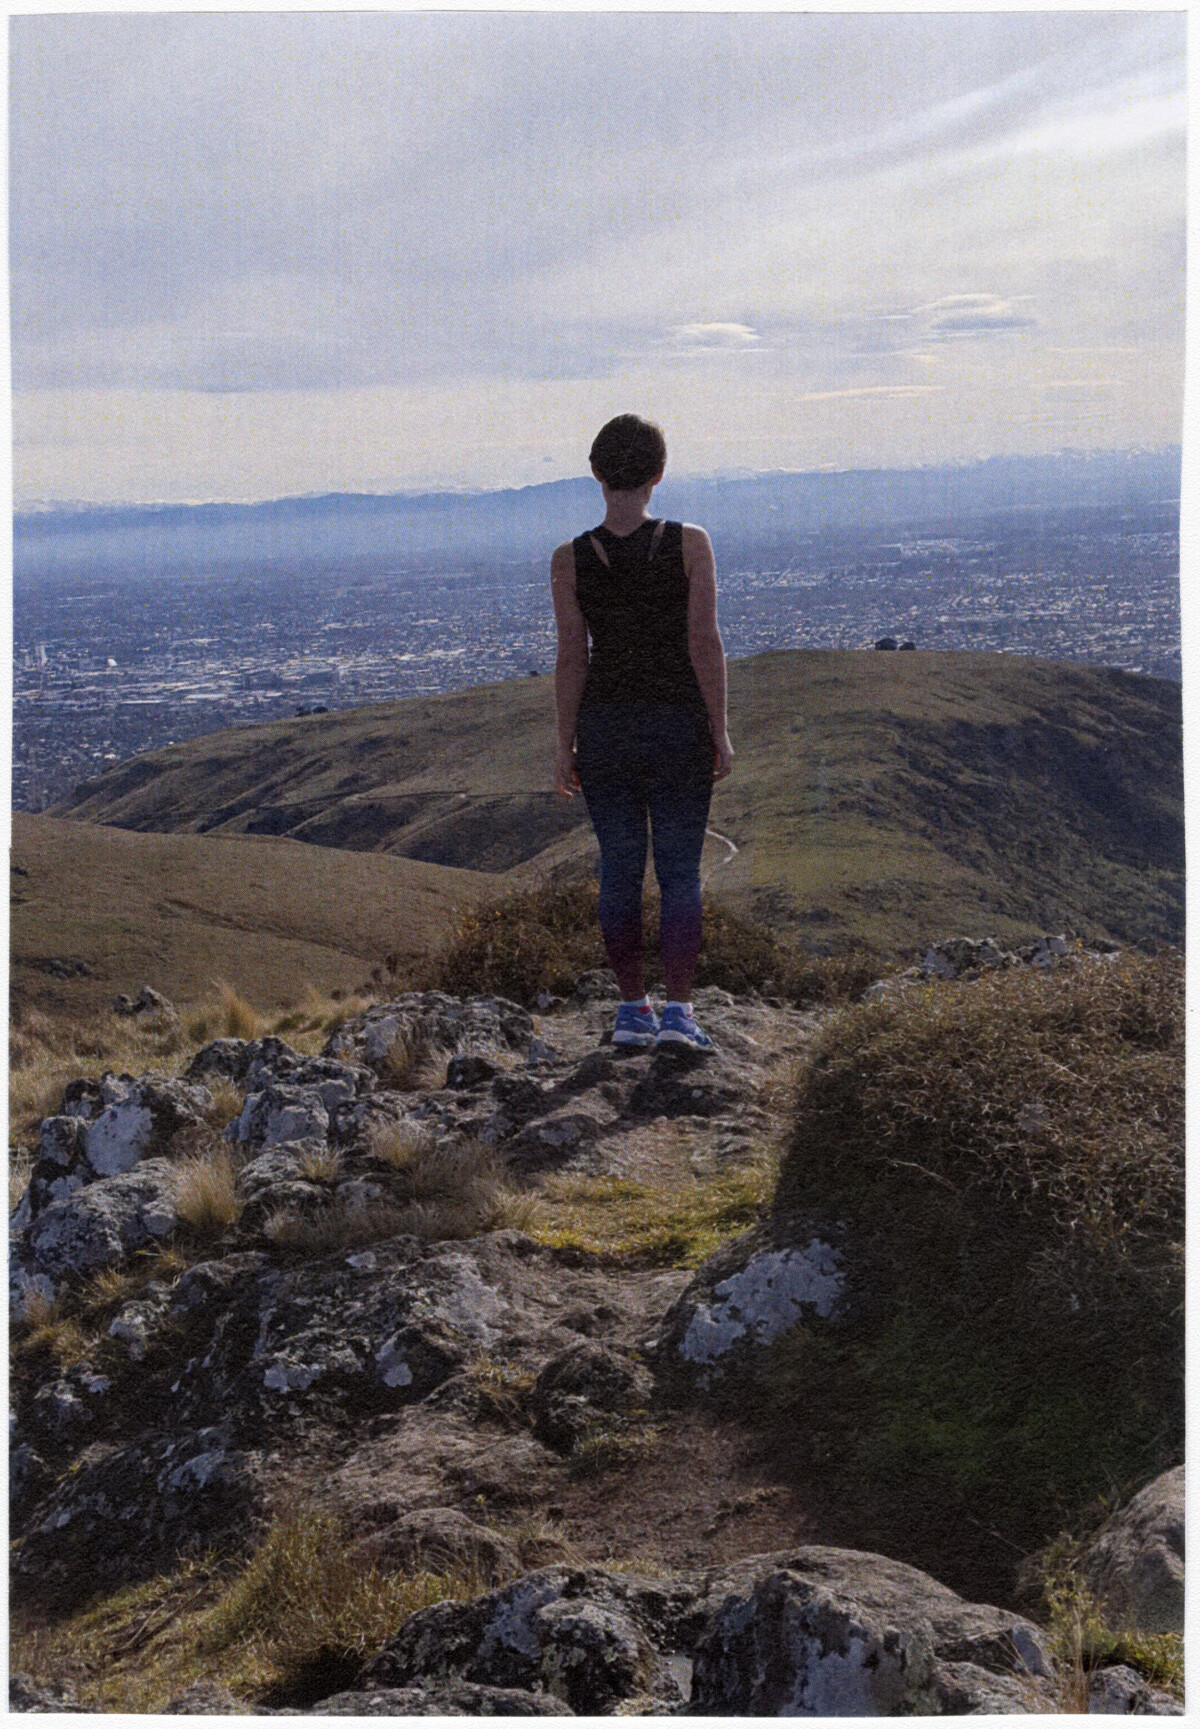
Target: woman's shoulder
<point>562,561</point>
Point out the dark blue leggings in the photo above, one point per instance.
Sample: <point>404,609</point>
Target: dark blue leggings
<point>646,768</point>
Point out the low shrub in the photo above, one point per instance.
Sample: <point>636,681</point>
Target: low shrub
<point>541,940</point>
<point>1007,1155</point>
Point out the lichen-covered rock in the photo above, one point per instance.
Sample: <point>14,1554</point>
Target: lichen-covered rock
<point>1134,1563</point>
<point>26,1694</point>
<point>578,1385</point>
<point>442,1699</point>
<point>207,1699</point>
<point>433,1018</point>
<point>99,1225</point>
<point>580,1634</point>
<point>106,1128</point>
<point>254,1064</point>
<point>125,1512</point>
<point>748,1293</point>
<point>279,1114</point>
<point>835,1633</point>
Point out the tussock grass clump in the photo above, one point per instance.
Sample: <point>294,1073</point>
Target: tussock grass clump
<point>311,1600</point>
<point>543,939</point>
<point>1008,1156</point>
<point>451,1192</point>
<point>206,1196</point>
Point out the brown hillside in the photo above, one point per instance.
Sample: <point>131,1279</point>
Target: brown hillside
<point>883,797</point>
<point>95,911</point>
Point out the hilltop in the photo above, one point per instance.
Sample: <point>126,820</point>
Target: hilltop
<point>877,798</point>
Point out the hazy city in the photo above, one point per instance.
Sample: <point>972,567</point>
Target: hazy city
<point>108,664</point>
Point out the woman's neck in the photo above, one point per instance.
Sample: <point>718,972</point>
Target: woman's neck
<point>626,511</point>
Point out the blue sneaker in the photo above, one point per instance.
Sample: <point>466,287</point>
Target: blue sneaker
<point>679,1028</point>
<point>635,1025</point>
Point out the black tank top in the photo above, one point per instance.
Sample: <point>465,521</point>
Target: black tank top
<point>636,610</point>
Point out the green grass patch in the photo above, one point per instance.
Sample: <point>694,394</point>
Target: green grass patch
<point>636,1224</point>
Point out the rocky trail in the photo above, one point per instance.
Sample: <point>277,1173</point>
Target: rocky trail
<point>447,1298</point>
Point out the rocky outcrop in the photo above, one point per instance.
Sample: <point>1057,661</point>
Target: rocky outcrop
<point>811,1632</point>
<point>1134,1563</point>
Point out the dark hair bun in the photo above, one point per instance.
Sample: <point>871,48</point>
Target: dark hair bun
<point>628,452</point>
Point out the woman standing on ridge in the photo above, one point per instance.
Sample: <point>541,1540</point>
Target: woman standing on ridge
<point>642,721</point>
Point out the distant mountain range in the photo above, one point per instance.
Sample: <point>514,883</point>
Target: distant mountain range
<point>343,528</point>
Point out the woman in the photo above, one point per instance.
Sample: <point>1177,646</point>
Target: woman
<point>641,722</point>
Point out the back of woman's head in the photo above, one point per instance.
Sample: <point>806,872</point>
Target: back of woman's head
<point>627,452</point>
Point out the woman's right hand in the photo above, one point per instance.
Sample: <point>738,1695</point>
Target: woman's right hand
<point>566,775</point>
<point>722,757</point>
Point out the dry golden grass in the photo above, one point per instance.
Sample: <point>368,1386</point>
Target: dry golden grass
<point>20,1169</point>
<point>320,1164</point>
<point>227,1102</point>
<point>452,1192</point>
<point>400,1145</point>
<point>305,1595</point>
<point>206,1196</point>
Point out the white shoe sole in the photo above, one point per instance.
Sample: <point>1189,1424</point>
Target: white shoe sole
<point>682,1039</point>
<point>639,1039</point>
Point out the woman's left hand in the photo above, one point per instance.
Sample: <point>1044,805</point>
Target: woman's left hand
<point>566,775</point>
<point>722,757</point>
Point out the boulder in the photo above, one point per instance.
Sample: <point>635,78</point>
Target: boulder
<point>100,1225</point>
<point>431,1018</point>
<point>836,1633</point>
<point>578,1386</point>
<point>124,1513</point>
<point>1121,1692</point>
<point>104,1129</point>
<point>26,1694</point>
<point>278,1114</point>
<point>748,1293</point>
<point>207,1699</point>
<point>1133,1565</point>
<point>814,1631</point>
<point>256,1063</point>
<point>147,1002</point>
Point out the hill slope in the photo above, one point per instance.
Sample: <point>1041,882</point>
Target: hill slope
<point>886,797</point>
<point>96,910</point>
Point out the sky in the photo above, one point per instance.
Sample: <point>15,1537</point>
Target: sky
<point>263,254</point>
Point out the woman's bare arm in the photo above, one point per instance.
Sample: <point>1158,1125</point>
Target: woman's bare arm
<point>705,647</point>
<point>570,666</point>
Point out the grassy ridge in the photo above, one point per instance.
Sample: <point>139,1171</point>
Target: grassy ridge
<point>884,797</point>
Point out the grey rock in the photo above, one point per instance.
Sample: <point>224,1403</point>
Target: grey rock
<point>147,1002</point>
<point>207,1699</point>
<point>99,1225</point>
<point>1121,1692</point>
<point>599,985</point>
<point>278,1114</point>
<point>580,1383</point>
<point>126,1512</point>
<point>431,1017</point>
<point>1134,1563</point>
<point>442,1699</point>
<point>257,1063</point>
<point>26,1694</point>
<point>832,1632</point>
<point>746,1294</point>
<point>469,1071</point>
